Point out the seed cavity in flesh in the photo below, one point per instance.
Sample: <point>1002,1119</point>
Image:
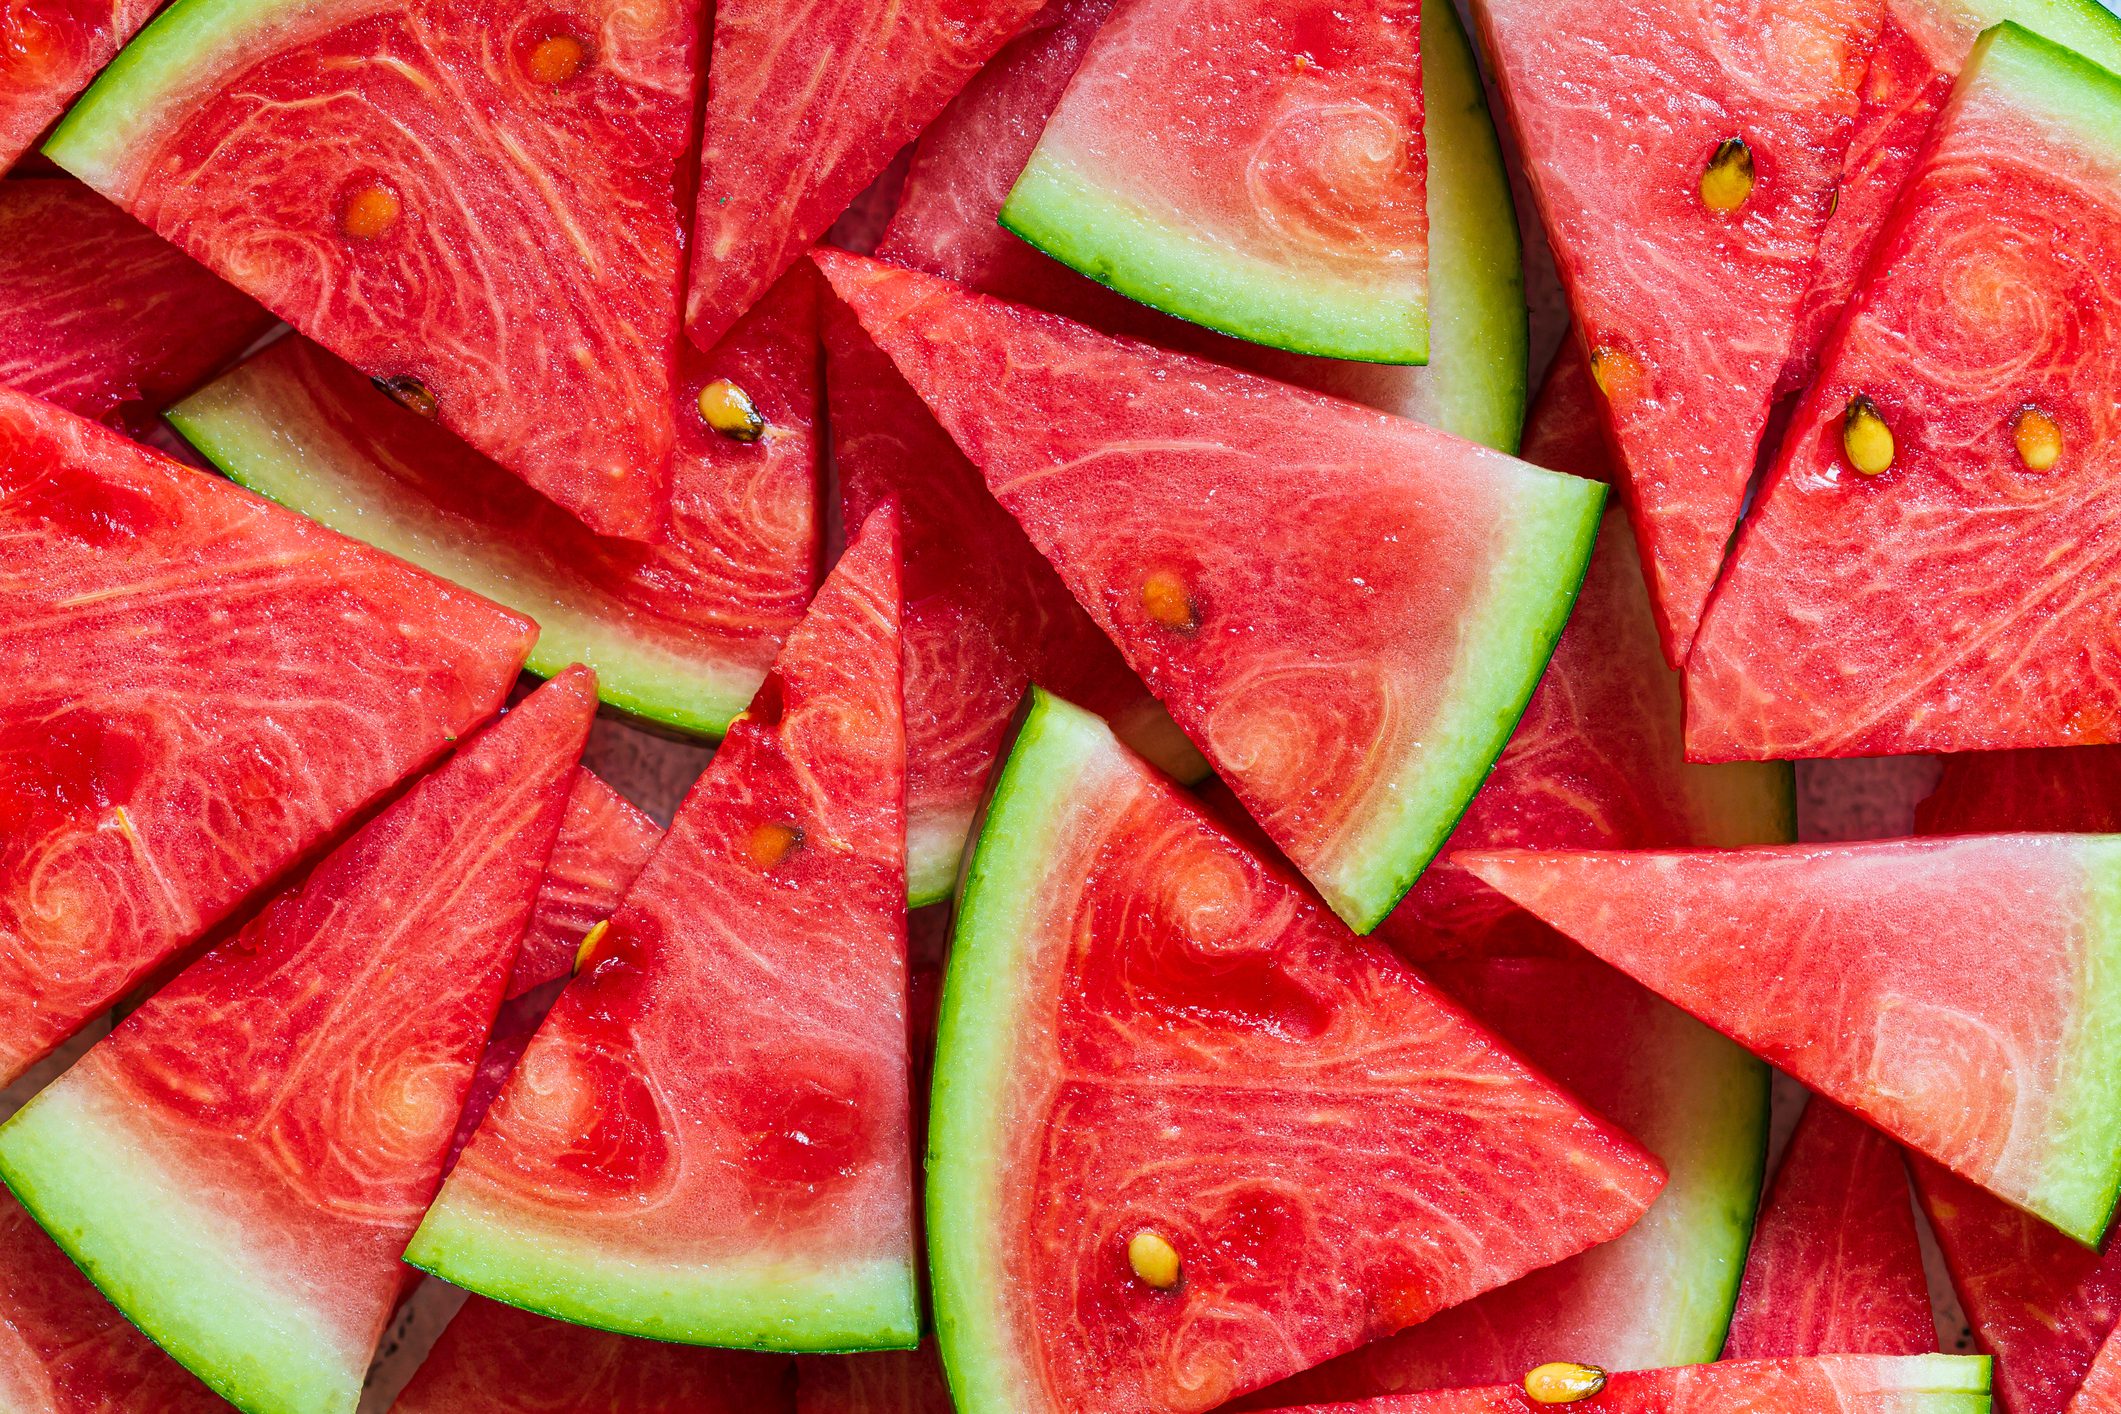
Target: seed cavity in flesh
<point>1727,182</point>
<point>729,410</point>
<point>1154,1259</point>
<point>555,60</point>
<point>1169,602</point>
<point>2039,440</point>
<point>1865,438</point>
<point>587,952</point>
<point>1563,1382</point>
<point>1617,373</point>
<point>773,842</point>
<point>371,211</point>
<point>408,392</point>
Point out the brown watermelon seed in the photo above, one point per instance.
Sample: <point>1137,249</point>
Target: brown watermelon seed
<point>729,410</point>
<point>557,59</point>
<point>408,392</point>
<point>1154,1259</point>
<point>2039,440</point>
<point>370,212</point>
<point>1563,1382</point>
<point>587,952</point>
<point>771,843</point>
<point>1727,182</point>
<point>1169,602</point>
<point>1865,438</point>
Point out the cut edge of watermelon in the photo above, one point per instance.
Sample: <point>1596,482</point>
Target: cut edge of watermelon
<point>2072,90</point>
<point>227,422</point>
<point>114,1209</point>
<point>2089,1105</point>
<point>1526,605</point>
<point>1205,281</point>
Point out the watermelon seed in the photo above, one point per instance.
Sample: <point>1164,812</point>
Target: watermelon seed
<point>1727,182</point>
<point>729,410</point>
<point>2039,440</point>
<point>408,392</point>
<point>556,60</point>
<point>371,212</point>
<point>1154,1259</point>
<point>771,844</point>
<point>1563,1382</point>
<point>1616,372</point>
<point>1866,438</point>
<point>1166,598</point>
<point>586,953</point>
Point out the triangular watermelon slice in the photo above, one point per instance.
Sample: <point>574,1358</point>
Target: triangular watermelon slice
<point>52,52</point>
<point>200,688</point>
<point>66,1350</point>
<point>985,615</point>
<point>805,104</point>
<point>97,313</point>
<point>1867,971</point>
<point>240,1163</point>
<point>680,633</point>
<point>709,1140</point>
<point>1683,156</point>
<point>1660,1293</point>
<point>1829,1384</point>
<point>2060,788</point>
<point>1836,1268</point>
<point>880,1382</point>
<point>2039,1304</point>
<point>1931,565</point>
<point>496,1359</point>
<point>1190,1136</point>
<point>1256,168</point>
<point>605,842</point>
<point>1345,611</point>
<point>477,208</point>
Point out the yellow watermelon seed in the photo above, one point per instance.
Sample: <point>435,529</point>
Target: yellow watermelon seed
<point>1169,603</point>
<point>1154,1259</point>
<point>729,410</point>
<point>1727,182</point>
<point>370,212</point>
<point>125,825</point>
<point>1865,437</point>
<point>1616,373</point>
<point>2039,440</point>
<point>1563,1382</point>
<point>773,842</point>
<point>556,60</point>
<point>586,953</point>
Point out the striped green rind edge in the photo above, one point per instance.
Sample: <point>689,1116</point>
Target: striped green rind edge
<point>1545,534</point>
<point>2062,84</point>
<point>794,1304</point>
<point>2081,1177</point>
<point>1058,754</point>
<point>2085,26</point>
<point>257,426</point>
<point>169,1263</point>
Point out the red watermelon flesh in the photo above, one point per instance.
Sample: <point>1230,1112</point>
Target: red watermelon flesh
<point>496,1359</point>
<point>605,841</point>
<point>709,1138</point>
<point>986,616</point>
<point>805,105</point>
<point>477,207</point>
<point>97,313</point>
<point>1308,688</point>
<point>2101,1391</point>
<point>1689,311</point>
<point>1961,600</point>
<point>886,1382</point>
<point>66,1350</point>
<point>1660,1293</point>
<point>1867,972</point>
<point>240,1163</point>
<point>49,50</point>
<point>1827,1384</point>
<point>2039,1303</point>
<point>228,685</point>
<point>1836,1268</point>
<point>2059,788</point>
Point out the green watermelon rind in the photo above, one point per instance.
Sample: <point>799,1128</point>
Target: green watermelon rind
<point>2064,85</point>
<point>2082,1180</point>
<point>796,1305</point>
<point>232,426</point>
<point>140,1235</point>
<point>1940,1384</point>
<point>1548,534</point>
<point>2084,26</point>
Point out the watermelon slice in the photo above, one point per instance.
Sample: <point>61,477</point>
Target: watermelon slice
<point>1661,1293</point>
<point>805,105</point>
<point>1341,697</point>
<point>1474,384</point>
<point>406,183</point>
<point>885,1382</point>
<point>1189,1135</point>
<point>239,1164</point>
<point>605,842</point>
<point>1973,354</point>
<point>2101,1390</point>
<point>1830,1384</point>
<point>709,1139</point>
<point>680,633</point>
<point>1866,971</point>
<point>201,688</point>
<point>495,1359</point>
<point>985,615</point>
<point>2039,1303</point>
<point>1921,46</point>
<point>1257,168</point>
<point>1684,157</point>
<point>65,1350</point>
<point>2061,788</point>
<point>97,313</point>
<point>48,53</point>
<point>1836,1268</point>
